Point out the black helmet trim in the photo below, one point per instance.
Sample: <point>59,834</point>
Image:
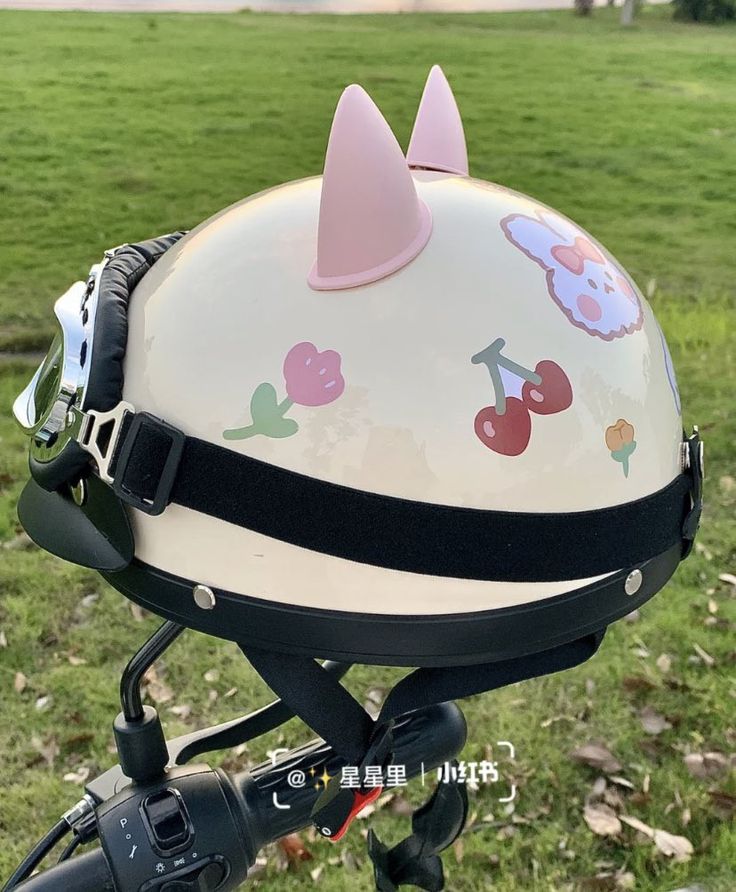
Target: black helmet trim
<point>399,640</point>
<point>153,464</point>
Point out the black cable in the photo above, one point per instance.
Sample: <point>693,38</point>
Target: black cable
<point>37,854</point>
<point>71,848</point>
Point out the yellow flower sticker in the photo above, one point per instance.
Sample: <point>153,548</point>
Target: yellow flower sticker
<point>620,440</point>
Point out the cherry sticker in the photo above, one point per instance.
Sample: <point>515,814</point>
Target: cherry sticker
<point>506,425</point>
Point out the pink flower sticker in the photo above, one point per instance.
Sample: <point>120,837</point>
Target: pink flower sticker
<point>312,379</point>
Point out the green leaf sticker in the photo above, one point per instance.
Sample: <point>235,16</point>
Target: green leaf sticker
<point>268,416</point>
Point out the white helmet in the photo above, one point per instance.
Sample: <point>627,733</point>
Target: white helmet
<point>392,414</point>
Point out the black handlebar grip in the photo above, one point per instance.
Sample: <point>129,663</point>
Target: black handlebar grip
<point>85,873</point>
<point>273,805</point>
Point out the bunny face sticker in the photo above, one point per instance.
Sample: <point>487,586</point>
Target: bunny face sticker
<point>589,288</point>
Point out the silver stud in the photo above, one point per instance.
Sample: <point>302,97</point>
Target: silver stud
<point>204,597</point>
<point>633,582</point>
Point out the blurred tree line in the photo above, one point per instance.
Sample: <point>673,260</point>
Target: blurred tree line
<point>684,10</point>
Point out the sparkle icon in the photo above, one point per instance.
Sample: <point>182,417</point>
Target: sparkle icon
<point>160,868</point>
<point>324,777</point>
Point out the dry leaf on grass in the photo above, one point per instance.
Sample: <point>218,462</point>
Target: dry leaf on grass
<point>3,639</point>
<point>157,689</point>
<point>652,721</point>
<point>293,847</point>
<point>20,682</point>
<point>349,860</point>
<point>704,655</point>
<point>77,777</point>
<point>723,803</point>
<point>705,765</point>
<point>597,755</point>
<point>638,825</point>
<point>613,798</point>
<point>258,868</point>
<point>621,781</point>
<point>47,749</point>
<point>679,848</point>
<point>632,684</point>
<point>664,663</point>
<point>602,819</point>
<point>606,881</point>
<point>727,577</point>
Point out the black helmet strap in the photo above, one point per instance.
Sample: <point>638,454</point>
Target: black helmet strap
<point>319,699</point>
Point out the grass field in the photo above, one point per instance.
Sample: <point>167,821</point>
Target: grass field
<point>114,128</point>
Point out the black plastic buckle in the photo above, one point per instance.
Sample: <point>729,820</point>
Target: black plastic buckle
<point>164,476</point>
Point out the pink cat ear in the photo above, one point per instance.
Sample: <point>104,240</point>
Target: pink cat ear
<point>371,221</point>
<point>438,140</point>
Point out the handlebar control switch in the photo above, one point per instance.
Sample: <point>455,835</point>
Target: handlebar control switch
<point>186,832</point>
<point>167,821</point>
<point>203,878</point>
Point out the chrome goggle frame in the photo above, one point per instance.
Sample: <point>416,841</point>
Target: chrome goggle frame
<point>55,419</point>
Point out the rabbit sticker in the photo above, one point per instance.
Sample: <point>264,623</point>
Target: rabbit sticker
<point>590,289</point>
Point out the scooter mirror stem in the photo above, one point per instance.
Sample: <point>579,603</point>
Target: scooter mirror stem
<point>139,736</point>
<point>140,663</point>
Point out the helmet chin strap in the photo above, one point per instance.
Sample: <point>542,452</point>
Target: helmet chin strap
<point>319,699</point>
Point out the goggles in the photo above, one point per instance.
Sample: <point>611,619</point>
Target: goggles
<point>71,408</point>
<point>51,407</point>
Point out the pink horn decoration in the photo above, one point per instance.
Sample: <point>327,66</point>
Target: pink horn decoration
<point>438,140</point>
<point>371,221</point>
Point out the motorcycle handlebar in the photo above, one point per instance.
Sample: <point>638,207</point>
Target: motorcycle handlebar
<point>270,801</point>
<point>85,873</point>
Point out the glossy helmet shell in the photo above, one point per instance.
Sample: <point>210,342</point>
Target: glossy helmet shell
<point>376,366</point>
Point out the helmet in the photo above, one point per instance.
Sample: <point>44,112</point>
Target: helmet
<point>393,414</point>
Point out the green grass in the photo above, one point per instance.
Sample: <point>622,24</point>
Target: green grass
<point>114,128</point>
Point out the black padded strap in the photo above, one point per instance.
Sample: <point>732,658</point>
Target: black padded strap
<point>118,280</point>
<point>401,534</point>
<point>319,699</point>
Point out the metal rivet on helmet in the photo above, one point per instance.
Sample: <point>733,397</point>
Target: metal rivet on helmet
<point>633,582</point>
<point>204,597</point>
